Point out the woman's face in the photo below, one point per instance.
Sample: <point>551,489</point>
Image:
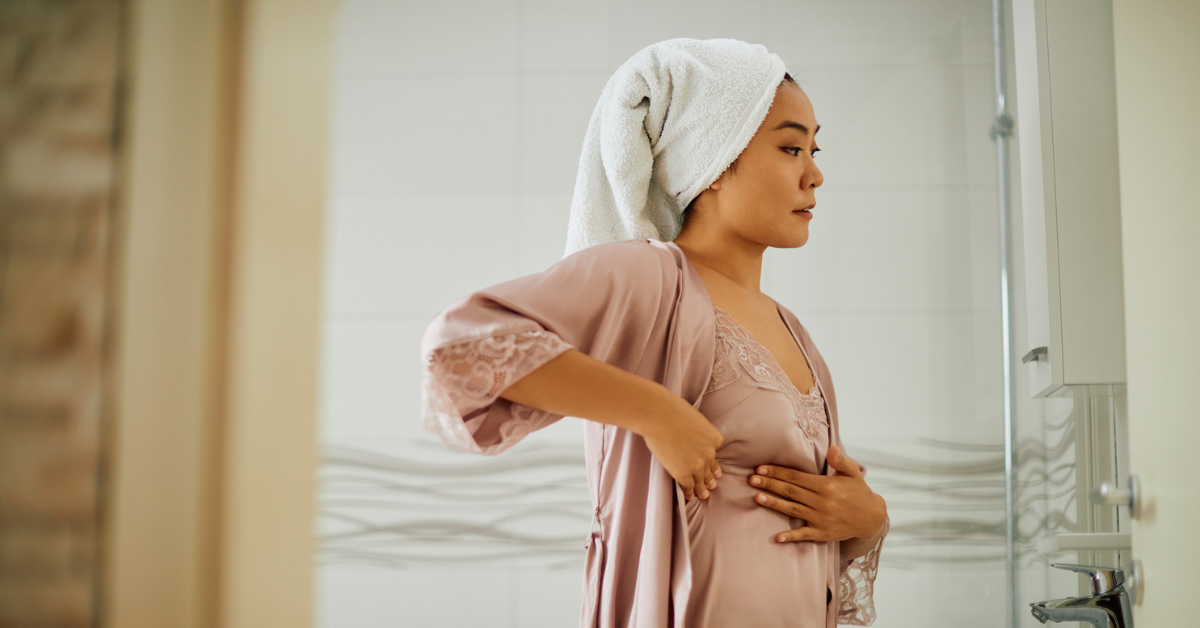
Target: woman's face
<point>775,178</point>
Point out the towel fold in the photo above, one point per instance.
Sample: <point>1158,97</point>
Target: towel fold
<point>669,121</point>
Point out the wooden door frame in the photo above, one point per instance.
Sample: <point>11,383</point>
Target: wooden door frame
<point>210,450</point>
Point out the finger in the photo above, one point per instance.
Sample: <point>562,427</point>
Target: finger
<point>814,483</point>
<point>790,491</point>
<point>716,469</point>
<point>710,481</point>
<point>688,493</point>
<point>843,463</point>
<point>807,533</point>
<point>701,489</point>
<point>787,507</point>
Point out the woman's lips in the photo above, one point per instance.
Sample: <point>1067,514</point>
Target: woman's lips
<point>803,212</point>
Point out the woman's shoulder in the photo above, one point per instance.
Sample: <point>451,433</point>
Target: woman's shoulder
<point>633,260</point>
<point>624,251</point>
<point>802,334</point>
<point>628,266</point>
<point>783,308</point>
<point>791,318</point>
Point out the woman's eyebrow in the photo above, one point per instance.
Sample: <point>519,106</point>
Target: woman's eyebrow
<point>796,125</point>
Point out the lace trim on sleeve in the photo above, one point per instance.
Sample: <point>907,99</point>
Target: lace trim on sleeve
<point>465,376</point>
<point>856,587</point>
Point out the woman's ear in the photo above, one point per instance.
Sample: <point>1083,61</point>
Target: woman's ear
<point>716,185</point>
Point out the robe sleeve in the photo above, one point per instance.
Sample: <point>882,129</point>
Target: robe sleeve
<point>600,300</point>
<point>856,585</point>
<point>462,380</point>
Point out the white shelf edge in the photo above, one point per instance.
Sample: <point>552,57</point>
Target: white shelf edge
<point>1084,541</point>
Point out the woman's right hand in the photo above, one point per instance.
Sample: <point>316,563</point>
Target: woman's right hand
<point>685,443</point>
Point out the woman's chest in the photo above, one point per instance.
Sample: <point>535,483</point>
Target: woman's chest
<point>760,426</point>
<point>762,416</point>
<point>764,326</point>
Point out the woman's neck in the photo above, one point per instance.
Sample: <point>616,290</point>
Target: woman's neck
<point>733,262</point>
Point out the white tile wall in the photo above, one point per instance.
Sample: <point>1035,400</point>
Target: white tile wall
<point>388,38</point>
<point>425,135</point>
<point>409,256</point>
<point>456,134</point>
<point>902,125</point>
<point>882,251</point>
<point>635,24</point>
<point>879,32</point>
<point>555,110</point>
<point>543,228</point>
<point>361,596</point>
<point>565,37</point>
<point>371,373</point>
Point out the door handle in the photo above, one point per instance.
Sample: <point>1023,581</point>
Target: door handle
<point>1108,493</point>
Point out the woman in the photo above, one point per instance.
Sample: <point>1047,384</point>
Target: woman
<point>721,492</point>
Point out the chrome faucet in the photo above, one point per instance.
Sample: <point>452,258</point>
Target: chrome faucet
<point>1107,607</point>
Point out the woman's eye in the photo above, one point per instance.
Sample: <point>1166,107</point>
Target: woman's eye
<point>798,149</point>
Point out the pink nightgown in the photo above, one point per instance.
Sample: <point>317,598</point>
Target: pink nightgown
<point>741,575</point>
<point>652,560</point>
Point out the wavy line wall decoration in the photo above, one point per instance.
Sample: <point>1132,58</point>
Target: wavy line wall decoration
<point>531,505</point>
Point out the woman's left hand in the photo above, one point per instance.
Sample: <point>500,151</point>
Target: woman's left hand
<point>836,507</point>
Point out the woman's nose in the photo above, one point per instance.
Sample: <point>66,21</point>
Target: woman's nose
<point>816,177</point>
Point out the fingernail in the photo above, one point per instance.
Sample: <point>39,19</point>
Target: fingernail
<point>755,480</point>
<point>760,498</point>
<point>780,538</point>
<point>703,494</point>
<point>762,470</point>
<point>712,484</point>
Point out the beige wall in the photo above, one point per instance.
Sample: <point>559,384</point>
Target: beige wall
<point>223,195</point>
<point>270,461</point>
<point>1158,88</point>
<point>163,532</point>
<point>58,80</point>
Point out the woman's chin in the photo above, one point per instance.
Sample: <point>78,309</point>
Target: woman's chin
<point>794,240</point>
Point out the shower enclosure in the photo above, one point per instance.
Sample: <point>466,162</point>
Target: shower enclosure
<point>457,127</point>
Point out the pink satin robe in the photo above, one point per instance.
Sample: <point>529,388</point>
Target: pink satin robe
<point>641,306</point>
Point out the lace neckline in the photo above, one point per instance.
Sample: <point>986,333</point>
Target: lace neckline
<point>770,357</point>
<point>735,340</point>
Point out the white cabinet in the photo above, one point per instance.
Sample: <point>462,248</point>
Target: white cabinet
<point>1066,111</point>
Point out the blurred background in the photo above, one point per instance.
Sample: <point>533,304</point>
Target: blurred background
<point>226,224</point>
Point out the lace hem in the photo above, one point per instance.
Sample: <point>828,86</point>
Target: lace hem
<point>733,339</point>
<point>463,377</point>
<point>856,586</point>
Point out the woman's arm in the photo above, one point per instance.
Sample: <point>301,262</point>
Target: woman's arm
<point>576,384</point>
<point>855,547</point>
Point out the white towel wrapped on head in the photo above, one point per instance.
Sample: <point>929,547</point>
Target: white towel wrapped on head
<point>669,121</point>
